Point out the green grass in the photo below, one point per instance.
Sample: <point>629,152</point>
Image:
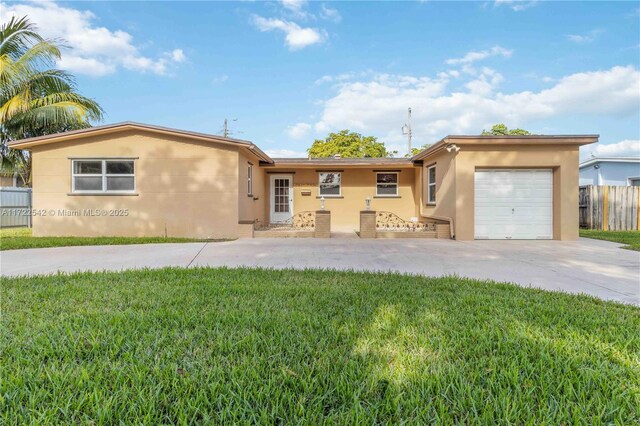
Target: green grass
<point>223,346</point>
<point>630,238</point>
<point>20,238</point>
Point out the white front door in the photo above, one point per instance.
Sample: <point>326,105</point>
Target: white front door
<point>281,198</point>
<point>513,204</point>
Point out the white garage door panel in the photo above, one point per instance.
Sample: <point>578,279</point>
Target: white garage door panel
<point>513,204</point>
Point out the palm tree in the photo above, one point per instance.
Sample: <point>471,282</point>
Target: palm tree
<point>35,98</point>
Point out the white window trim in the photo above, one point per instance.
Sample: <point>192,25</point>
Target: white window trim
<point>249,179</point>
<point>320,194</point>
<point>431,185</point>
<point>103,175</point>
<point>397,184</point>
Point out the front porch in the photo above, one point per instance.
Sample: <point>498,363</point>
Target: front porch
<point>306,224</point>
<point>373,224</point>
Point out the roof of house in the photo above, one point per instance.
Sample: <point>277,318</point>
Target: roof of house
<point>404,162</point>
<point>505,140</point>
<point>130,125</point>
<point>332,161</point>
<point>596,160</point>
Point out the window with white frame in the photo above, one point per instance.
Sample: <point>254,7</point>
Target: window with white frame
<point>386,184</point>
<point>330,184</point>
<point>250,179</point>
<point>94,175</point>
<point>431,184</point>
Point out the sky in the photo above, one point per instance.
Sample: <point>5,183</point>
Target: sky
<point>287,72</point>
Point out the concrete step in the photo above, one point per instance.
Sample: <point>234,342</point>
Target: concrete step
<point>282,234</point>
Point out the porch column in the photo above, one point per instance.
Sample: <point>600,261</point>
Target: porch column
<point>367,224</point>
<point>323,224</point>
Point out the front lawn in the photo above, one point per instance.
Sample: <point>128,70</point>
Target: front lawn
<point>178,346</point>
<point>630,238</point>
<point>20,238</point>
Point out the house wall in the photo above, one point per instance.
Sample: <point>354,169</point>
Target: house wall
<point>184,188</point>
<point>445,206</point>
<point>609,173</point>
<point>358,183</point>
<point>562,160</point>
<point>251,208</point>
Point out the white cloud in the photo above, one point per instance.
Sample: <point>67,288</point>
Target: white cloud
<point>623,148</point>
<point>285,153</point>
<point>329,13</point>
<point>92,50</point>
<point>293,5</point>
<point>220,79</point>
<point>585,38</point>
<point>177,55</point>
<point>336,78</point>
<point>88,66</point>
<point>299,130</point>
<point>485,83</point>
<point>379,106</point>
<point>516,5</point>
<point>296,9</point>
<point>296,37</point>
<point>472,56</point>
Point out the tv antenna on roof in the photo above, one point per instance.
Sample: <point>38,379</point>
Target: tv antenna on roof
<point>226,132</point>
<point>406,130</point>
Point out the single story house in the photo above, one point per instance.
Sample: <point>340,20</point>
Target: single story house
<point>132,179</point>
<point>614,171</point>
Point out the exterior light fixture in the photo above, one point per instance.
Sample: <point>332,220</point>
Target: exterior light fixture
<point>367,203</point>
<point>322,203</point>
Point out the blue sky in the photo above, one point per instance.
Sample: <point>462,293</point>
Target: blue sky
<point>292,71</point>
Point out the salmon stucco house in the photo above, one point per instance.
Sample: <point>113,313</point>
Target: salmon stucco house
<point>133,179</point>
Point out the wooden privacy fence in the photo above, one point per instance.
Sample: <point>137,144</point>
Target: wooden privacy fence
<point>610,208</point>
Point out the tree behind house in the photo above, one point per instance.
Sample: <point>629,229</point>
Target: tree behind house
<point>502,130</point>
<point>349,145</point>
<point>417,150</point>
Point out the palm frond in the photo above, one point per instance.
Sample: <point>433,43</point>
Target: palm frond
<point>16,97</point>
<point>35,100</point>
<point>42,54</point>
<point>17,35</point>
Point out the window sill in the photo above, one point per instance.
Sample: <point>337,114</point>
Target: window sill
<point>387,196</point>
<point>326,197</point>
<point>103,194</point>
<point>430,204</point>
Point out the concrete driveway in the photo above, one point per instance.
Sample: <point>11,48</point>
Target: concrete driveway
<point>597,268</point>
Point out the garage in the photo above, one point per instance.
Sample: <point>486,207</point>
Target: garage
<point>514,204</point>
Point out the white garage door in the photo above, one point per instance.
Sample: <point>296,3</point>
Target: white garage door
<point>513,204</point>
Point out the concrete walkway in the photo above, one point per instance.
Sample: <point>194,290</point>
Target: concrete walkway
<point>597,268</point>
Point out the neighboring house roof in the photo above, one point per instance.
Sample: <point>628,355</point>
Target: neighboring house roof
<point>130,125</point>
<point>596,160</point>
<point>506,140</point>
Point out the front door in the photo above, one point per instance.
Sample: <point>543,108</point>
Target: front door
<point>281,198</point>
